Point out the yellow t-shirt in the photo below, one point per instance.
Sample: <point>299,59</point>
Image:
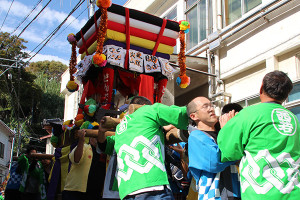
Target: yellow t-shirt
<point>78,175</point>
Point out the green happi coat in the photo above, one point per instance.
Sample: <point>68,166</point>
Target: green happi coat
<point>139,143</point>
<point>266,137</point>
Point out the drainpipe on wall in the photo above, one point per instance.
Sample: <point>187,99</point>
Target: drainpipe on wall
<point>217,90</point>
<point>213,62</point>
<point>210,70</point>
<point>208,54</point>
<point>219,83</point>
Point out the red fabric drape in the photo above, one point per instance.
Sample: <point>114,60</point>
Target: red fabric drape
<point>84,44</point>
<point>88,91</point>
<point>130,80</point>
<point>108,83</point>
<point>146,87</point>
<point>95,22</point>
<point>161,32</point>
<point>127,37</point>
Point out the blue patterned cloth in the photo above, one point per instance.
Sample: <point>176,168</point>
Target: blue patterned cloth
<point>205,166</point>
<point>208,186</point>
<point>15,179</point>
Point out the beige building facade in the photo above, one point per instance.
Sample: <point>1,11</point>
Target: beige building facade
<point>241,40</point>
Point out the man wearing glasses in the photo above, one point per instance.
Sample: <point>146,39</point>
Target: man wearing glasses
<point>204,154</point>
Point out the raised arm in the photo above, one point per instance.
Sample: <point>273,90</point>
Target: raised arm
<point>79,149</point>
<point>174,115</point>
<point>232,139</point>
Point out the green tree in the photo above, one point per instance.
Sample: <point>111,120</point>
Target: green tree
<point>35,87</point>
<point>51,104</point>
<point>12,47</point>
<point>48,75</point>
<point>17,84</point>
<point>53,69</point>
<point>17,87</point>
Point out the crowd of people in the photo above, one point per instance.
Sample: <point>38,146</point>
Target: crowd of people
<point>251,153</point>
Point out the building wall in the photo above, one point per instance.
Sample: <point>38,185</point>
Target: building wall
<point>49,148</point>
<point>183,100</point>
<point>272,38</point>
<point>238,86</point>
<point>71,99</point>
<point>289,63</point>
<point>6,139</point>
<point>272,42</point>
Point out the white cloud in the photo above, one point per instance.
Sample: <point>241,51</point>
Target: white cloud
<point>7,29</point>
<point>29,35</point>
<point>61,45</point>
<point>18,9</point>
<point>42,57</point>
<point>32,36</point>
<point>56,17</point>
<point>49,17</point>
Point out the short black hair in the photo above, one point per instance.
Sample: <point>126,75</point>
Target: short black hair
<point>29,149</point>
<point>231,106</point>
<point>140,100</point>
<point>277,85</point>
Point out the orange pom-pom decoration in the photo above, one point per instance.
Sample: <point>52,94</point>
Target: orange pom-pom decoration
<point>79,119</point>
<point>71,85</point>
<point>103,3</point>
<point>99,60</point>
<point>182,80</point>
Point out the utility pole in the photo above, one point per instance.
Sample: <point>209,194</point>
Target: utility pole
<point>15,65</point>
<point>18,110</point>
<point>92,4</point>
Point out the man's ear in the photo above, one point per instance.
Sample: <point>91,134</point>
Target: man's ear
<point>193,116</point>
<point>261,89</point>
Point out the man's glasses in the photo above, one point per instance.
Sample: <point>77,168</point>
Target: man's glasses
<point>206,106</point>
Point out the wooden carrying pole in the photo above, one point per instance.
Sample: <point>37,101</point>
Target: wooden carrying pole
<point>94,133</point>
<point>110,122</point>
<point>39,156</point>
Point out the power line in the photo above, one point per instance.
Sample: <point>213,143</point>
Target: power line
<point>48,38</point>
<point>34,18</point>
<point>36,136</point>
<point>19,105</point>
<point>7,14</point>
<point>70,23</point>
<point>56,29</point>
<point>25,18</point>
<point>26,25</point>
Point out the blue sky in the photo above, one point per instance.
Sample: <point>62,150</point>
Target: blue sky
<point>57,49</point>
